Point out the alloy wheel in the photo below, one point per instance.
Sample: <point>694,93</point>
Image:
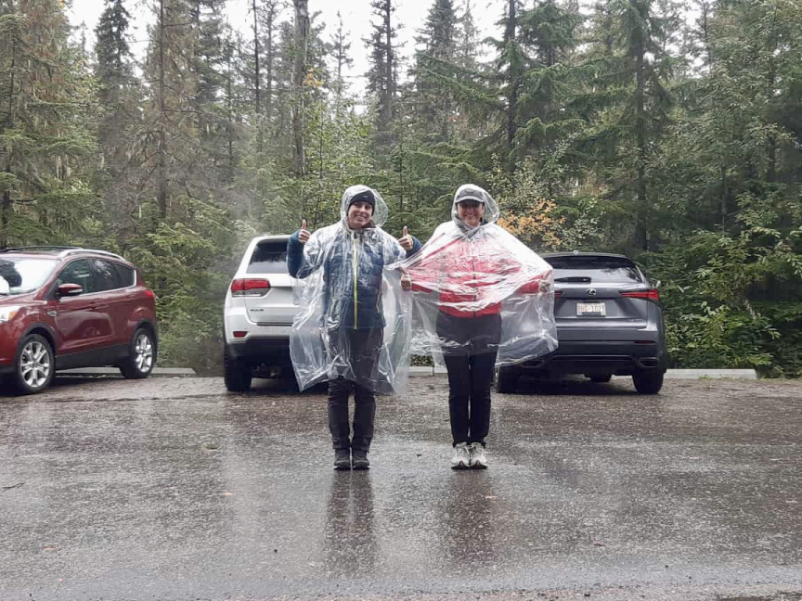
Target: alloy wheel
<point>35,364</point>
<point>143,353</point>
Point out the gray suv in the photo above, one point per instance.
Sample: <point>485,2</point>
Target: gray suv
<point>609,322</point>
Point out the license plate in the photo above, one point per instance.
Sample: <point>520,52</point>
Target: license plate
<point>591,310</point>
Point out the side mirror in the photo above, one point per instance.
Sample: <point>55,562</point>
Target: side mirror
<point>69,290</point>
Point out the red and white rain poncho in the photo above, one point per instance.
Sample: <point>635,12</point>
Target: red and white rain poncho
<point>466,272</point>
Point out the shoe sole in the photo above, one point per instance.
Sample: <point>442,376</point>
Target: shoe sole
<point>342,468</point>
<point>479,466</point>
<point>360,468</point>
<point>460,466</point>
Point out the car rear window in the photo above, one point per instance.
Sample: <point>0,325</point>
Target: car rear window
<point>598,269</point>
<point>126,274</point>
<point>269,257</point>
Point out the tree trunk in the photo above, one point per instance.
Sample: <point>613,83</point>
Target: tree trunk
<point>230,125</point>
<point>723,199</point>
<point>641,228</point>
<point>5,211</point>
<point>299,77</point>
<point>269,82</point>
<point>390,63</point>
<point>512,98</point>
<point>161,194</point>
<point>257,79</point>
<point>5,207</point>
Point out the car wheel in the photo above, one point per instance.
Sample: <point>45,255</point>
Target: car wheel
<point>600,378</point>
<point>141,356</point>
<point>648,383</point>
<point>507,380</point>
<point>237,374</point>
<point>34,366</point>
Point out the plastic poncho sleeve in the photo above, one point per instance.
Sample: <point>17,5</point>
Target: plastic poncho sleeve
<point>303,259</point>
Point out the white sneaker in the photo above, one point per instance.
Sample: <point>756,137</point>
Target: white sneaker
<point>462,458</point>
<point>478,459</point>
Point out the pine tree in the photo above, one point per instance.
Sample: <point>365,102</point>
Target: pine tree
<point>629,104</point>
<point>170,138</point>
<point>44,126</point>
<point>299,81</point>
<point>433,103</point>
<point>118,88</point>
<point>383,73</point>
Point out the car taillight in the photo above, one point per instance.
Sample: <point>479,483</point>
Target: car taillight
<point>249,287</point>
<point>558,293</point>
<point>651,294</point>
<point>150,294</point>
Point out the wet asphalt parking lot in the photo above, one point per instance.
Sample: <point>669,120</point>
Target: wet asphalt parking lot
<point>171,489</point>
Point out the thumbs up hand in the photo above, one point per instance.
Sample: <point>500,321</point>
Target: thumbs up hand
<point>304,233</point>
<point>406,241</point>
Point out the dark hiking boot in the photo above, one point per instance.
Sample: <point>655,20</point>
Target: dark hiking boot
<point>360,461</point>
<point>342,459</point>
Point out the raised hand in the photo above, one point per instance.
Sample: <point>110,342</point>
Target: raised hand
<point>304,235</point>
<point>405,240</point>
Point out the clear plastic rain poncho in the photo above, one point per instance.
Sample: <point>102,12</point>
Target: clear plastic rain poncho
<point>351,322</point>
<point>464,272</point>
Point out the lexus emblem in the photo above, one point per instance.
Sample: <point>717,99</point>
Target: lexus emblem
<point>591,292</point>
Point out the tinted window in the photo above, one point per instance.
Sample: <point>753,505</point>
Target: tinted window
<point>78,272</point>
<point>18,275</point>
<point>269,257</point>
<point>126,274</point>
<point>598,269</point>
<point>107,278</point>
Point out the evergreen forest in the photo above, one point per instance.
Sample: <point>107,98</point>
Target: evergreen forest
<point>670,131</point>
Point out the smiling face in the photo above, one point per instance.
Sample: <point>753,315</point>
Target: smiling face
<point>359,215</point>
<point>470,212</point>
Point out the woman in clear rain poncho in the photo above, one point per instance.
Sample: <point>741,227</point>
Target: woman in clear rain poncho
<point>483,298</point>
<point>349,325</point>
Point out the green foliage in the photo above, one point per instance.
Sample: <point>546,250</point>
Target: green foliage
<point>619,128</point>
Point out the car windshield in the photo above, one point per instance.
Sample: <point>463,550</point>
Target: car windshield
<point>269,257</point>
<point>19,275</point>
<point>587,269</point>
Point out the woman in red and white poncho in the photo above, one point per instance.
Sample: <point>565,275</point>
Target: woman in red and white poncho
<point>483,298</point>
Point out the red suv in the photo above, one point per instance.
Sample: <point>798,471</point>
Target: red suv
<point>64,307</point>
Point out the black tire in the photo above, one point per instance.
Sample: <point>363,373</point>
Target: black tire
<point>237,374</point>
<point>34,365</point>
<point>141,357</point>
<point>507,380</point>
<point>648,383</point>
<point>601,378</point>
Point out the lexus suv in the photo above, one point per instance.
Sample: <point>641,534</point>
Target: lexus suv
<point>609,322</point>
<point>68,307</point>
<point>258,314</point>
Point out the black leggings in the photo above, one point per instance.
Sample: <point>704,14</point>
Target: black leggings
<point>356,353</point>
<point>470,346</point>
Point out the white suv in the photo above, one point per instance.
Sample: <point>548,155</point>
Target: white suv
<point>258,313</point>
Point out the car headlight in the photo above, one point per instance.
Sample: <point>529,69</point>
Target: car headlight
<point>8,313</point>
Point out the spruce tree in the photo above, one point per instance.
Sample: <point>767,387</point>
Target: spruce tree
<point>434,104</point>
<point>45,127</point>
<point>383,73</point>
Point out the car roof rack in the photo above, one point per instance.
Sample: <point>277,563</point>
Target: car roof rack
<point>63,251</point>
<point>11,249</point>
<point>105,253</point>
